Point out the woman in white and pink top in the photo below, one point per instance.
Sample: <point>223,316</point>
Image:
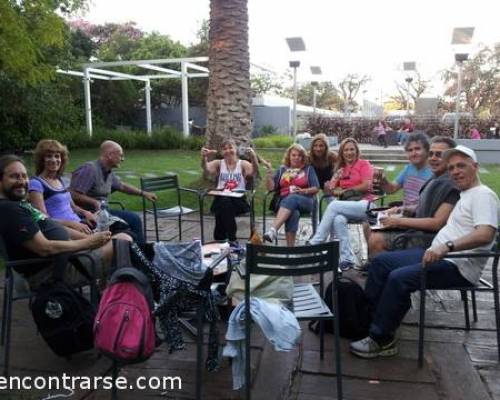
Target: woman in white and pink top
<point>356,174</point>
<point>231,175</point>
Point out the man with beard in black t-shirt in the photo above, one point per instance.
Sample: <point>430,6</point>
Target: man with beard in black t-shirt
<point>27,233</point>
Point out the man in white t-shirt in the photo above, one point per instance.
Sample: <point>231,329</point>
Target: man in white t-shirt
<point>393,276</point>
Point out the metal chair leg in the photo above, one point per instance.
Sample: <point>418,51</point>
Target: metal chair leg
<point>321,339</point>
<point>114,374</point>
<point>8,320</point>
<point>421,325</point>
<point>497,307</point>
<point>199,352</point>
<point>465,299</point>
<point>4,312</point>
<point>202,226</point>
<point>336,335</point>
<point>474,305</point>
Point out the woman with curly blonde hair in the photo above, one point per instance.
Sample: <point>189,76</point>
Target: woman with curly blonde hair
<point>48,192</point>
<point>297,183</point>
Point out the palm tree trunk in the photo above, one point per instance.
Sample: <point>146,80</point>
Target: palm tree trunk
<point>229,95</point>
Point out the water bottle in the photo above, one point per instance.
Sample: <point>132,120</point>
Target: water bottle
<point>103,217</point>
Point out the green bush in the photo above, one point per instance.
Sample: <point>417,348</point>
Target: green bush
<point>273,141</point>
<point>162,139</point>
<point>268,130</point>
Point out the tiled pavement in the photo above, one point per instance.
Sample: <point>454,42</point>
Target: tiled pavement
<point>458,365</point>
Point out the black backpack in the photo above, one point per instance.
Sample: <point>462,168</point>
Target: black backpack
<point>63,316</point>
<point>354,315</point>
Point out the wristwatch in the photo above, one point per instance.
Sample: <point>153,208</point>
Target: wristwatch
<point>450,245</point>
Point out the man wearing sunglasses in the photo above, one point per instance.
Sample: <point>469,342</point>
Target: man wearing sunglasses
<point>393,276</point>
<point>420,223</point>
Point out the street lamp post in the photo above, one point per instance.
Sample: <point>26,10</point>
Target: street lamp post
<point>408,80</point>
<point>295,44</point>
<point>409,67</point>
<point>315,70</point>
<point>460,37</point>
<point>314,85</point>
<point>294,65</point>
<point>459,58</point>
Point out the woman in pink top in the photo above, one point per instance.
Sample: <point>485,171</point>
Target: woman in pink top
<point>353,173</point>
<point>474,134</point>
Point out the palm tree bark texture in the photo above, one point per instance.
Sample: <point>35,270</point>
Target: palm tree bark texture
<point>229,94</point>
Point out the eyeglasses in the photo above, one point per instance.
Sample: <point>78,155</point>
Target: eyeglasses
<point>438,154</point>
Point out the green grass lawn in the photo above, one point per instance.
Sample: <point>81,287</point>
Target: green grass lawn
<point>186,164</point>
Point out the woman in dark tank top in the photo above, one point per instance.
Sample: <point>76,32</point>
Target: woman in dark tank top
<point>322,158</point>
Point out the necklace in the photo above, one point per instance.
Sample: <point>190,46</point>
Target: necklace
<point>51,181</point>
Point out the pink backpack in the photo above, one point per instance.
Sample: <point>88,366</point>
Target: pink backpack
<point>124,324</point>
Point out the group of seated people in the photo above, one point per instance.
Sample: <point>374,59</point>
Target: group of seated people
<point>445,209</point>
<point>42,216</point>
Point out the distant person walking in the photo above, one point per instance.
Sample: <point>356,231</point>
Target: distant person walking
<point>475,134</point>
<point>381,131</point>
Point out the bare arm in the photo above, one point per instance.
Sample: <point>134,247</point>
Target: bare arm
<point>434,223</point>
<point>389,187</point>
<point>129,189</point>
<point>252,167</point>
<point>481,236</point>
<point>40,245</point>
<point>269,178</point>
<point>85,201</point>
<point>209,167</point>
<point>36,198</point>
<point>363,187</point>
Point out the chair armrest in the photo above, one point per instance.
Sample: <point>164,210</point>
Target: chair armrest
<point>45,260</point>
<point>197,192</point>
<point>27,261</point>
<point>482,254</point>
<point>117,203</point>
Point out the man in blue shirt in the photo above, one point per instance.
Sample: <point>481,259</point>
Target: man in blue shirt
<point>415,174</point>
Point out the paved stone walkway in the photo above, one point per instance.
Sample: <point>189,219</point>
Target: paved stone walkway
<point>458,364</point>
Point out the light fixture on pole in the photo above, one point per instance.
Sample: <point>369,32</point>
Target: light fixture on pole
<point>409,66</point>
<point>295,44</point>
<point>315,70</point>
<point>461,36</point>
<point>294,65</point>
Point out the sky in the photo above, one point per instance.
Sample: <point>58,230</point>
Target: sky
<point>342,36</point>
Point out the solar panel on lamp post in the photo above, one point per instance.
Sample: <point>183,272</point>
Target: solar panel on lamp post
<point>460,37</point>
<point>295,44</point>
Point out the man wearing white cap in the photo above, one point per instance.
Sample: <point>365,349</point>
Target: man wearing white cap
<point>393,276</point>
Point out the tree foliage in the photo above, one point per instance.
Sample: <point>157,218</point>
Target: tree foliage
<point>32,33</point>
<point>414,90</point>
<point>480,81</point>
<point>349,89</point>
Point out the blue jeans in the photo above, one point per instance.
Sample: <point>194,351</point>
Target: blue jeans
<point>334,224</point>
<point>392,277</point>
<point>296,203</point>
<point>402,137</point>
<point>133,220</point>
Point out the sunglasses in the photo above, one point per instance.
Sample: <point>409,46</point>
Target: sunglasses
<point>438,154</point>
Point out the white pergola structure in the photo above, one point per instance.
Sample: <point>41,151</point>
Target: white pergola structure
<point>156,69</point>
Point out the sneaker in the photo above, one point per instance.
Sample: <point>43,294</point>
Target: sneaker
<point>345,265</point>
<point>369,348</point>
<point>270,235</point>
